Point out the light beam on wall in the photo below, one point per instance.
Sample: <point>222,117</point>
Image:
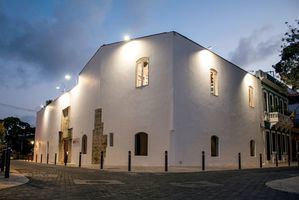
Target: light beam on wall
<point>206,58</point>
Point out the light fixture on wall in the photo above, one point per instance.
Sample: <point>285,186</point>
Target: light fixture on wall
<point>127,38</point>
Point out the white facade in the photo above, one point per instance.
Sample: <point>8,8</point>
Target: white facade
<point>177,109</point>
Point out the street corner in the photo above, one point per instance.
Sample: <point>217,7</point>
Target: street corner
<point>287,185</point>
<point>15,179</point>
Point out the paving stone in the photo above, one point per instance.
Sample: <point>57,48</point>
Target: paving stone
<point>60,184</point>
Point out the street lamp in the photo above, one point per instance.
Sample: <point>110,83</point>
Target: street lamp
<point>67,77</point>
<point>32,142</point>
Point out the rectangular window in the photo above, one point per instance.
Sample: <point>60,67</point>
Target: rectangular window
<point>250,95</point>
<point>111,139</point>
<point>213,82</point>
<point>142,72</point>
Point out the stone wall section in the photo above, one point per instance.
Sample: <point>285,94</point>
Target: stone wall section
<point>99,140</point>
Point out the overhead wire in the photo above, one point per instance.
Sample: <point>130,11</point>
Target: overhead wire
<point>16,107</point>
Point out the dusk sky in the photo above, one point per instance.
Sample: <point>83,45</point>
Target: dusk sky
<point>41,41</point>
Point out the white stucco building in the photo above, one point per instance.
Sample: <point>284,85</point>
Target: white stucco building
<point>153,94</point>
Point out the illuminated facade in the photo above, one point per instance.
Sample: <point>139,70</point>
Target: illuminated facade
<point>153,94</point>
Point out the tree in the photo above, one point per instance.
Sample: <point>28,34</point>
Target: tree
<point>2,131</point>
<point>19,134</point>
<point>288,66</point>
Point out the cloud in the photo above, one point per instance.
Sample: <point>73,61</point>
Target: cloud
<point>49,47</point>
<point>256,47</point>
<point>30,119</point>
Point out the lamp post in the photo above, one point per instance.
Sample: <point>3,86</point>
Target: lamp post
<point>7,155</point>
<point>32,150</point>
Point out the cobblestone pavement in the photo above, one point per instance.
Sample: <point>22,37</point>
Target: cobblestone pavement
<point>59,182</point>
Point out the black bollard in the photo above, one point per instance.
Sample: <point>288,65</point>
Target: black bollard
<point>166,161</point>
<point>55,158</point>
<point>203,161</point>
<point>239,158</point>
<point>36,158</point>
<point>298,159</point>
<point>261,161</point>
<point>129,161</point>
<point>7,163</point>
<point>47,158</point>
<point>41,158</point>
<point>276,160</point>
<point>289,159</point>
<point>80,155</point>
<point>2,161</point>
<point>102,159</point>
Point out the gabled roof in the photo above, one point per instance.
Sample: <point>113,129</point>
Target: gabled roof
<point>173,32</point>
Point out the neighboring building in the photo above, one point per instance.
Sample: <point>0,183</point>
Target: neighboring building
<point>159,93</point>
<point>277,123</point>
<point>294,108</point>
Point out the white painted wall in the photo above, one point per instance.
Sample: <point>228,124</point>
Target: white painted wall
<point>199,115</point>
<point>108,82</point>
<point>176,109</point>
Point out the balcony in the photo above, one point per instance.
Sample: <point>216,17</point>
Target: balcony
<point>278,119</point>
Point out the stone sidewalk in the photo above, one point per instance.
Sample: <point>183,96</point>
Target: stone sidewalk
<point>172,169</point>
<point>60,182</point>
<point>15,179</point>
<point>287,184</point>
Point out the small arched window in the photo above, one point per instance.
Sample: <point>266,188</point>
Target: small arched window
<point>214,146</point>
<point>214,82</point>
<point>141,144</point>
<point>265,101</point>
<point>271,103</point>
<point>84,144</point>
<point>252,148</point>
<point>142,72</point>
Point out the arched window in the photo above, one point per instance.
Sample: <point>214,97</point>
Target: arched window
<point>214,82</point>
<point>276,104</point>
<point>142,72</point>
<point>84,144</point>
<point>252,148</point>
<point>141,144</point>
<point>271,103</point>
<point>265,101</point>
<point>214,146</point>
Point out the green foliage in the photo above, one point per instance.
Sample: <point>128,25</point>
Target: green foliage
<point>288,66</point>
<point>19,134</point>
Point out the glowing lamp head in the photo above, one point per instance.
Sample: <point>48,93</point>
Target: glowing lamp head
<point>57,88</point>
<point>32,142</point>
<point>67,77</point>
<point>127,38</point>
